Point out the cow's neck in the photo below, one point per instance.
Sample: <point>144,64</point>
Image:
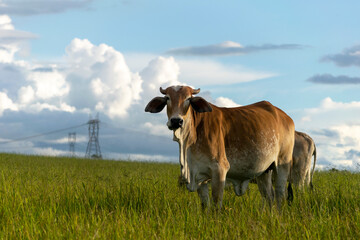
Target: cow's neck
<point>186,136</point>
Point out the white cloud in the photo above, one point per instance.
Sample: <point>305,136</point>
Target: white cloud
<point>5,23</point>
<point>103,75</point>
<point>157,129</point>
<point>49,84</point>
<point>38,107</point>
<point>141,157</point>
<point>193,72</point>
<point>225,102</point>
<point>328,104</point>
<point>330,113</point>
<point>335,127</point>
<point>207,72</point>
<point>10,39</point>
<point>26,94</point>
<point>160,71</point>
<point>65,140</point>
<point>6,103</point>
<point>49,151</point>
<point>336,146</point>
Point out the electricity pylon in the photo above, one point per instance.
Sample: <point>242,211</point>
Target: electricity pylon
<point>72,140</point>
<point>93,147</point>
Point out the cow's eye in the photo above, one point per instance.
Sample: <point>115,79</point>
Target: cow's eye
<point>167,98</point>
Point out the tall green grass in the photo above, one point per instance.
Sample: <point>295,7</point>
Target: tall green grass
<point>57,198</point>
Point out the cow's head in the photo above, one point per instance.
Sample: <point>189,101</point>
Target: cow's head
<point>178,100</point>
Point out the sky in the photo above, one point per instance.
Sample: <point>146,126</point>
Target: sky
<point>64,62</point>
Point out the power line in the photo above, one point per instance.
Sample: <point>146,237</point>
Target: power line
<point>42,134</point>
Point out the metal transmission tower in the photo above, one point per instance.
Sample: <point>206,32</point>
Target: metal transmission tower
<point>93,147</point>
<point>72,140</point>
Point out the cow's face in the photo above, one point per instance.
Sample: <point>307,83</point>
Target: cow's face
<point>178,100</point>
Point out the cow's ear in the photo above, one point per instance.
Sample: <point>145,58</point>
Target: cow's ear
<point>200,105</point>
<point>156,105</point>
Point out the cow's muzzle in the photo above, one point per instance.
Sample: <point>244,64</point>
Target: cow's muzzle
<point>175,123</point>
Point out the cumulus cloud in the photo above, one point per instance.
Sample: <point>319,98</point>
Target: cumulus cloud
<point>349,57</point>
<point>35,7</point>
<point>102,75</point>
<point>49,151</point>
<point>225,102</point>
<point>26,94</point>
<point>27,87</point>
<point>335,127</point>
<point>8,34</point>
<point>160,72</point>
<point>229,48</point>
<point>6,103</point>
<point>97,78</point>
<point>10,39</point>
<point>157,129</point>
<point>48,84</point>
<point>328,104</point>
<point>340,149</point>
<point>330,112</point>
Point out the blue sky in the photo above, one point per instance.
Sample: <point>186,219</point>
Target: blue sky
<point>64,60</point>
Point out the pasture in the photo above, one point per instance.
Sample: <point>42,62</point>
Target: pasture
<point>57,198</point>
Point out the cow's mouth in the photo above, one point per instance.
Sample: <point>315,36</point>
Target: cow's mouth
<point>173,128</point>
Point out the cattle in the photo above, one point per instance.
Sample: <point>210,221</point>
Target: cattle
<point>238,144</point>
<point>304,148</point>
<point>301,174</point>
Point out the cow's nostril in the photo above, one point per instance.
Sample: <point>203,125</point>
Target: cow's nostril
<point>176,123</point>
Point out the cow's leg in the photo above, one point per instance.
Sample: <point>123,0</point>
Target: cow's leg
<point>203,192</point>
<point>307,177</point>
<point>302,180</point>
<point>282,173</point>
<point>264,183</point>
<point>218,184</point>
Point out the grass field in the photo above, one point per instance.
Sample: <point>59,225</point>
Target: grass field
<point>57,198</point>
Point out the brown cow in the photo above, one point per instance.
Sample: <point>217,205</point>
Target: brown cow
<point>301,174</point>
<point>237,144</point>
<point>304,148</point>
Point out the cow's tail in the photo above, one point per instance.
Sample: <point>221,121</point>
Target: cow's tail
<point>313,170</point>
